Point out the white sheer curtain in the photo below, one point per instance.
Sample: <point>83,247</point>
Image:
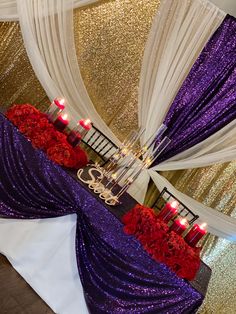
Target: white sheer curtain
<point>220,147</point>
<point>8,8</point>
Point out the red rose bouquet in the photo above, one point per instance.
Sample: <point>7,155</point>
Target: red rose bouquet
<point>35,126</point>
<point>162,244</point>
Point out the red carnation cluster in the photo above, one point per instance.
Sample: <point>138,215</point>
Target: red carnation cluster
<point>162,244</point>
<point>35,126</point>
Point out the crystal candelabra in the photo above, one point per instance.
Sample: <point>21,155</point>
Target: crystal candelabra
<point>125,165</point>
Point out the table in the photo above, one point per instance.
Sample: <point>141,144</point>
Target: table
<point>116,274</point>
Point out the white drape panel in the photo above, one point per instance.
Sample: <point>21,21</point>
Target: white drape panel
<point>220,147</point>
<point>47,29</point>
<point>8,8</point>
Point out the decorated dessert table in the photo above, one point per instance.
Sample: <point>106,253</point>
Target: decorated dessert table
<point>71,247</point>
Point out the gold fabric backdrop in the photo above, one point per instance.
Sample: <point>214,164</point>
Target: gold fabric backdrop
<point>110,38</point>
<point>18,83</point>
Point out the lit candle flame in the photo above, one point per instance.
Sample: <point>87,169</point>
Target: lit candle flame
<point>203,226</point>
<point>61,101</point>
<point>114,175</point>
<point>124,151</point>
<point>87,122</point>
<point>183,221</point>
<point>64,116</point>
<point>174,204</point>
<point>148,161</point>
<point>115,156</point>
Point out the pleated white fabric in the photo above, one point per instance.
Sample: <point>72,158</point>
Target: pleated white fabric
<point>179,32</point>
<point>8,8</point>
<point>43,252</point>
<point>218,148</point>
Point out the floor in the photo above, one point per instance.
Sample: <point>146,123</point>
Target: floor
<point>16,296</point>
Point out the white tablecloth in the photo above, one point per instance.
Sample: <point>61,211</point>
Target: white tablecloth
<point>43,252</point>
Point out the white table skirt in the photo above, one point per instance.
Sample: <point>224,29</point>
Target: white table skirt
<point>43,252</point>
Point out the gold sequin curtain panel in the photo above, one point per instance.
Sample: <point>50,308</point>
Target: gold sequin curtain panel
<point>110,39</point>
<point>18,83</point>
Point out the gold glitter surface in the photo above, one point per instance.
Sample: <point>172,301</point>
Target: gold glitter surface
<point>18,83</point>
<point>110,39</point>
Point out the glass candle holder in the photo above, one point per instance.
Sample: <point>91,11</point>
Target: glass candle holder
<point>77,133</point>
<point>56,107</point>
<point>195,234</point>
<point>61,122</point>
<point>74,137</point>
<point>168,212</point>
<point>83,126</point>
<point>179,226</point>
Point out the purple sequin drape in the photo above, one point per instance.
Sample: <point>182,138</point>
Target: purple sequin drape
<point>117,275</point>
<point>206,102</point>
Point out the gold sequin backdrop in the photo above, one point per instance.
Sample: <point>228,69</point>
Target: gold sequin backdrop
<point>17,80</point>
<point>110,39</point>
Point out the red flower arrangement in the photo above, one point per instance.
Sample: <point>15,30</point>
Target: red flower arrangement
<point>162,244</point>
<point>36,127</point>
